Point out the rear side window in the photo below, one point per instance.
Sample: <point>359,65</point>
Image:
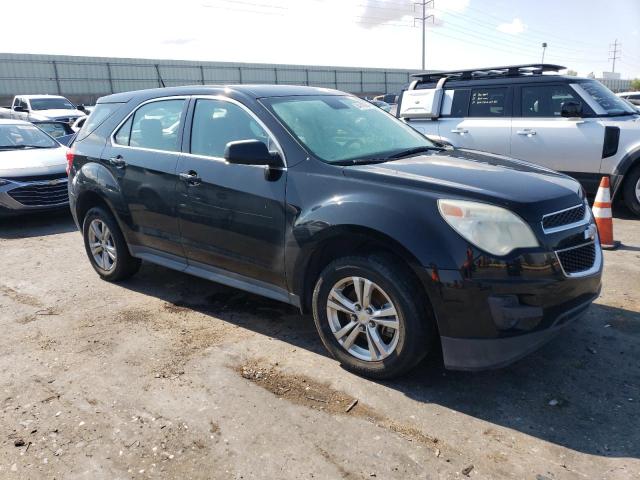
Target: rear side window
<point>217,122</point>
<point>487,102</point>
<point>154,125</point>
<point>546,100</point>
<point>456,103</point>
<point>100,113</point>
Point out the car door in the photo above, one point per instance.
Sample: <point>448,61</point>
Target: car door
<point>232,217</point>
<point>477,118</point>
<point>143,154</point>
<point>541,136</point>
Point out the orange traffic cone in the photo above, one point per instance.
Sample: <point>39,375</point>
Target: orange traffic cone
<point>602,213</point>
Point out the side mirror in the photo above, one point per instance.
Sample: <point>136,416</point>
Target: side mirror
<point>81,108</point>
<point>571,109</point>
<point>250,152</point>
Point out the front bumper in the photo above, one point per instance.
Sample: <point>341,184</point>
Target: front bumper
<point>487,353</point>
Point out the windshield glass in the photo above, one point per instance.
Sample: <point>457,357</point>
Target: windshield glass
<point>51,104</point>
<point>612,104</point>
<point>339,128</point>
<point>24,136</point>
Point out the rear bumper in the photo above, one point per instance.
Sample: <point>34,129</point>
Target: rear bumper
<point>487,353</point>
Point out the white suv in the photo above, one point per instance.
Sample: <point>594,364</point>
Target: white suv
<point>570,124</point>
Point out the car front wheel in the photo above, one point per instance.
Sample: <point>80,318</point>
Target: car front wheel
<point>631,191</point>
<point>106,247</point>
<point>371,316</point>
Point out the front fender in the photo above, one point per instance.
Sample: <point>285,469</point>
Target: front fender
<point>418,238</point>
<point>630,159</point>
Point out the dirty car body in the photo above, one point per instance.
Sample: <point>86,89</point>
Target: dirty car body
<point>274,228</point>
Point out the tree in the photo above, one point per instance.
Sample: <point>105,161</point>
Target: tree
<point>635,84</point>
<point>573,73</point>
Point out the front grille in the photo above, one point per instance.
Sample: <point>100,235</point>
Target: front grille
<point>37,178</point>
<point>578,259</point>
<point>41,194</point>
<point>565,217</point>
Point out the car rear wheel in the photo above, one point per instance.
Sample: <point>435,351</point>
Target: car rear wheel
<point>371,317</point>
<point>106,247</point>
<point>632,191</point>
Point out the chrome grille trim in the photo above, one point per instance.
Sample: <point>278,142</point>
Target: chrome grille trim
<point>597,262</point>
<point>585,219</point>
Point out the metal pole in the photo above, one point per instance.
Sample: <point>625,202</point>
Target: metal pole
<point>386,83</point>
<point>306,73</point>
<point>202,74</point>
<point>424,31</point>
<point>544,48</point>
<point>361,81</point>
<point>55,72</point>
<point>335,78</point>
<point>240,73</point>
<point>275,73</point>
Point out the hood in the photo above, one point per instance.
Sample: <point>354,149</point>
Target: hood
<point>477,175</point>
<point>22,163</point>
<point>59,113</point>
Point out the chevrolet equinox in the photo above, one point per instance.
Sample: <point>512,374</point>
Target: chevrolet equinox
<point>320,199</point>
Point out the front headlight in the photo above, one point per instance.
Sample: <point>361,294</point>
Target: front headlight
<point>493,229</point>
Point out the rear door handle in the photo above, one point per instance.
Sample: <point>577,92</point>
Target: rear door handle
<point>460,131</point>
<point>190,177</point>
<point>117,162</point>
<point>527,131</point>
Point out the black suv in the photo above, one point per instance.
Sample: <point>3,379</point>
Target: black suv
<point>319,199</point>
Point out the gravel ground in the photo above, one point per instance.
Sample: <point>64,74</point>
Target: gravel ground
<point>169,376</point>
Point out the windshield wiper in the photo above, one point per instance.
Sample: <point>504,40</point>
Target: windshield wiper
<point>412,151</point>
<point>361,161</point>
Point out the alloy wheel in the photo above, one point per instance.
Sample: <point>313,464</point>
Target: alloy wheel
<point>638,190</point>
<point>102,245</point>
<point>363,318</point>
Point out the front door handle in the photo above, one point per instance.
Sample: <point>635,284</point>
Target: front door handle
<point>117,162</point>
<point>190,177</point>
<point>460,131</point>
<point>527,131</point>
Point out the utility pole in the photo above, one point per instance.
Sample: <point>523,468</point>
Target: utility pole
<point>423,18</point>
<point>544,49</point>
<point>614,54</point>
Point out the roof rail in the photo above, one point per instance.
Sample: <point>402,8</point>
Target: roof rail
<point>477,73</point>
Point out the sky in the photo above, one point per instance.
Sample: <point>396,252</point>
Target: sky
<point>358,33</point>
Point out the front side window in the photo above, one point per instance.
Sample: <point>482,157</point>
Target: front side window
<point>14,137</point>
<point>154,126</point>
<point>487,102</point>
<point>218,122</point>
<point>339,128</point>
<point>51,104</point>
<point>546,100</point>
<point>604,97</point>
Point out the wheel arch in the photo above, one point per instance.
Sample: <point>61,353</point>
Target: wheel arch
<point>345,240</point>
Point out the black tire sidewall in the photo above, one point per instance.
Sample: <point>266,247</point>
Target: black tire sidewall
<point>410,316</point>
<point>123,267</point>
<point>630,199</point>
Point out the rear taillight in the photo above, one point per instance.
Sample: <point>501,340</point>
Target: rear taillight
<point>70,155</point>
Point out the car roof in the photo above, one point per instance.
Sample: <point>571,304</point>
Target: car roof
<point>251,90</point>
<point>44,95</point>
<point>11,121</point>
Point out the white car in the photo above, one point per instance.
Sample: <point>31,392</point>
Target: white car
<point>34,108</point>
<point>573,125</point>
<point>631,97</point>
<point>32,169</point>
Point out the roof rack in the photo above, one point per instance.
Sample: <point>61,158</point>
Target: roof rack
<point>477,73</point>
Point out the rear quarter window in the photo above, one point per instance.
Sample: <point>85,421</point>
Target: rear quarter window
<point>100,113</point>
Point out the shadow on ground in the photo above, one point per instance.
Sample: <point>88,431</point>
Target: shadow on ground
<point>37,224</point>
<point>581,391</point>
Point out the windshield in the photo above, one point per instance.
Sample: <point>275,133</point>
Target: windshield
<point>339,128</point>
<point>51,104</point>
<point>612,104</point>
<point>24,136</point>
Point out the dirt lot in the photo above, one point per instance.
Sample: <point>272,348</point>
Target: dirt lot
<point>168,376</point>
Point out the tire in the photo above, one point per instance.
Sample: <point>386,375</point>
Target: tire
<point>111,260</point>
<point>632,191</point>
<point>403,347</point>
